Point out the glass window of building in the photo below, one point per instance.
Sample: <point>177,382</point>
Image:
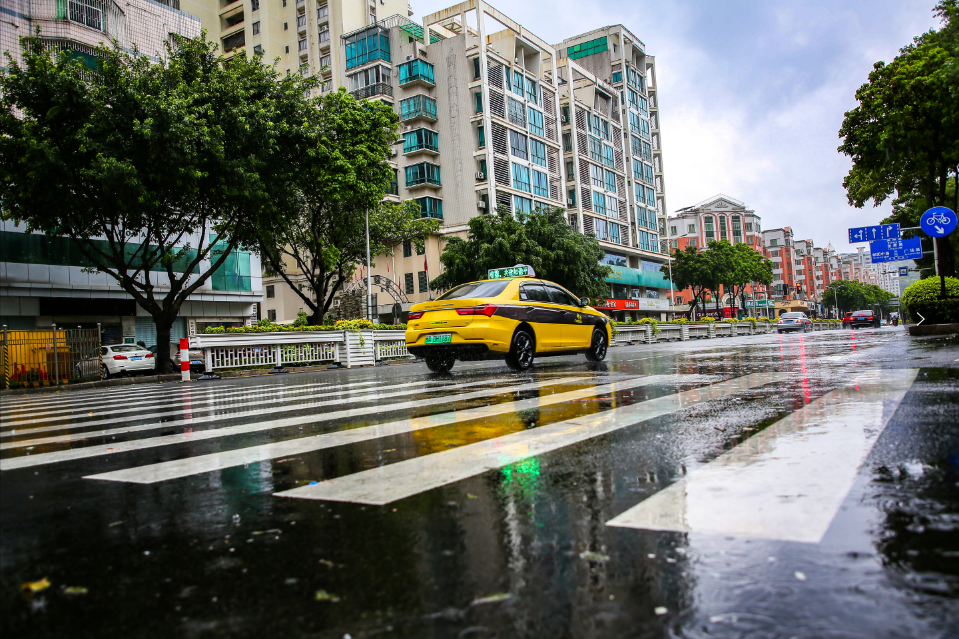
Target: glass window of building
<point>416,70</point>
<point>521,177</point>
<point>518,145</point>
<point>536,122</point>
<point>537,152</point>
<point>596,176</point>
<point>522,205</point>
<point>599,202</point>
<point>540,184</point>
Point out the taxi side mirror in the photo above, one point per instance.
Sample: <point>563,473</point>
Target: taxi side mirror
<point>584,301</point>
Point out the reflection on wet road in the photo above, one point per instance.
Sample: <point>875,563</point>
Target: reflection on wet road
<point>762,486</point>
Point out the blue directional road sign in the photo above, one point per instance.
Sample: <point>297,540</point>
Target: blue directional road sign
<point>938,221</point>
<point>873,233</point>
<point>895,250</point>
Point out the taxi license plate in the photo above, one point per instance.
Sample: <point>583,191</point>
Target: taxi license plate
<point>136,357</point>
<point>195,361</point>
<point>445,338</point>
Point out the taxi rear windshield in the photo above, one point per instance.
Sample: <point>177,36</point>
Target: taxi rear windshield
<point>475,289</point>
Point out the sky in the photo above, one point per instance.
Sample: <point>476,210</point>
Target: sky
<point>751,93</point>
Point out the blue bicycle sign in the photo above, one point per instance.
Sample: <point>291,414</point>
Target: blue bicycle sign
<point>938,221</point>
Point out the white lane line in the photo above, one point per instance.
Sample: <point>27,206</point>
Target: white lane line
<point>108,406</point>
<point>175,469</point>
<point>380,486</point>
<point>140,391</point>
<point>787,482</point>
<point>27,461</point>
<point>207,407</point>
<point>192,421</point>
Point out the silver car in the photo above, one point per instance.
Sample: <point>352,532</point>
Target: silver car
<point>793,322</point>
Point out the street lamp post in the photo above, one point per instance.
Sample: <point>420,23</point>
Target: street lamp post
<point>369,276</point>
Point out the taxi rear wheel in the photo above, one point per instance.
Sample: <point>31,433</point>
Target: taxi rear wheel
<point>439,363</point>
<point>521,351</point>
<point>597,346</point>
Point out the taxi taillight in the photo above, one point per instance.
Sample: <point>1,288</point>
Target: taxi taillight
<point>485,309</point>
<point>414,315</point>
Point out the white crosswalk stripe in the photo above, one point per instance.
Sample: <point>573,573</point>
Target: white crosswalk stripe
<point>196,397</point>
<point>788,481</point>
<point>387,484</point>
<point>306,396</point>
<point>193,421</point>
<point>218,461</point>
<point>26,461</point>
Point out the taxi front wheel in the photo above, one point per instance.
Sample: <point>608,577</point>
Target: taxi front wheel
<point>520,355</point>
<point>597,347</point>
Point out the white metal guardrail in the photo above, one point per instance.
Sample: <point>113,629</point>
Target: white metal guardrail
<point>366,347</point>
<point>349,348</point>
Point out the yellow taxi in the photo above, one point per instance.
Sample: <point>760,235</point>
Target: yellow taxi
<point>512,315</point>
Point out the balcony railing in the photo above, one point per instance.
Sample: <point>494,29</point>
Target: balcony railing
<point>373,90</point>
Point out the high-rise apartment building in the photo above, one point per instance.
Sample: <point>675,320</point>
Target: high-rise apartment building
<point>490,116</point>
<point>45,280</point>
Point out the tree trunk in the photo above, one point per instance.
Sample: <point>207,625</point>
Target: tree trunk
<point>164,324</point>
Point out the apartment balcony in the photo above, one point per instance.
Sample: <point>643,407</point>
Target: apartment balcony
<point>420,107</point>
<point>416,73</point>
<point>373,90</point>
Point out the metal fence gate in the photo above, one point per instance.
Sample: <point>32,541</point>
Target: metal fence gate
<point>51,356</point>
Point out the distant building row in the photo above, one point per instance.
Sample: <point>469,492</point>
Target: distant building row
<point>801,270</point>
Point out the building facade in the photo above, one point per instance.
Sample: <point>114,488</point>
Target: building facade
<point>715,219</point>
<point>43,280</point>
<point>490,116</point>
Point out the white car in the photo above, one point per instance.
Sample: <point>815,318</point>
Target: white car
<point>119,358</point>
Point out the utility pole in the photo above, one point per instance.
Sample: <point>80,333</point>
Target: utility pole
<point>369,276</point>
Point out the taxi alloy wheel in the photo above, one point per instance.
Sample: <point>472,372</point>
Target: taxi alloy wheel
<point>104,372</point>
<point>597,347</point>
<point>521,352</point>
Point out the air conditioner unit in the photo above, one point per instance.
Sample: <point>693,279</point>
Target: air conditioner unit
<point>564,118</point>
<point>480,175</point>
<point>570,202</point>
<point>409,57</point>
<point>481,204</point>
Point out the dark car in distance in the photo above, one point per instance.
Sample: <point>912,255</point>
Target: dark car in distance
<point>869,319</point>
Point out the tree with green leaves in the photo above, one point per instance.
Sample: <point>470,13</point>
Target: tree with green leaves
<point>903,137</point>
<point>749,268</point>
<point>342,177</point>
<point>542,239</point>
<point>848,295</point>
<point>693,270</point>
<point>156,172</point>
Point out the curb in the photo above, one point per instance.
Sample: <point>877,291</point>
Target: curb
<point>103,383</point>
<point>933,329</point>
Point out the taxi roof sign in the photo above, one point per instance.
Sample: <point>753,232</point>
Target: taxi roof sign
<point>520,270</point>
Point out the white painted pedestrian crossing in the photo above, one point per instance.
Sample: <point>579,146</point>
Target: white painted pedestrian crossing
<point>387,484</point>
<point>306,399</point>
<point>108,405</point>
<point>788,481</point>
<point>192,421</point>
<point>218,461</point>
<point>27,461</point>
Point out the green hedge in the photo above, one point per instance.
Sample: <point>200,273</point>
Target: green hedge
<point>935,311</point>
<point>925,292</point>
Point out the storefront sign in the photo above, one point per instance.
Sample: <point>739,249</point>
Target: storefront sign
<point>645,304</point>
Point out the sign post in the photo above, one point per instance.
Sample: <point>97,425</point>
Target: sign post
<point>938,222</point>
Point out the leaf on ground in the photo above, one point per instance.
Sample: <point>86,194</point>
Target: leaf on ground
<point>593,556</point>
<point>75,590</point>
<point>471,496</point>
<point>498,597</point>
<point>330,564</point>
<point>271,531</point>
<point>31,587</point>
<point>322,595</point>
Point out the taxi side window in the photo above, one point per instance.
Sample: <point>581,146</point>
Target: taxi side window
<point>534,293</point>
<point>559,296</point>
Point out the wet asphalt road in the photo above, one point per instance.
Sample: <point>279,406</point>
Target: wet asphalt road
<point>764,486</point>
